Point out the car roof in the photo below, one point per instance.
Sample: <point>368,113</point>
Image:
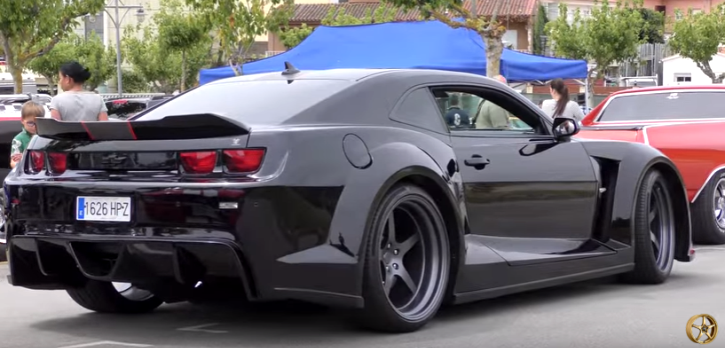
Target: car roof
<point>665,89</point>
<point>347,75</point>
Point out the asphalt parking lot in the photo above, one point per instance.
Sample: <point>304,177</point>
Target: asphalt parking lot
<point>593,314</point>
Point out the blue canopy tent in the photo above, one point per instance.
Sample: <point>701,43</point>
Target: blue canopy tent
<point>405,45</point>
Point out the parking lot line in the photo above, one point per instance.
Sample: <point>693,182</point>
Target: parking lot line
<point>109,343</point>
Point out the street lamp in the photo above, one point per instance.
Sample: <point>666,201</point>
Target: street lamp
<point>140,14</point>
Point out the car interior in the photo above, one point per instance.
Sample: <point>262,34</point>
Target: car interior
<point>472,102</point>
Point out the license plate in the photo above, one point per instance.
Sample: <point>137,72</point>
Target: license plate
<point>114,209</point>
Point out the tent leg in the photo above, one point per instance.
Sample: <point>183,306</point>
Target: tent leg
<point>586,94</point>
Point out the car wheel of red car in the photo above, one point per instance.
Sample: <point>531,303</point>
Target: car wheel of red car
<point>105,297</point>
<point>654,232</point>
<point>708,213</point>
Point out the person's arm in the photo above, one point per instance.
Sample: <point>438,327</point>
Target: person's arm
<point>54,113</point>
<point>577,112</point>
<point>103,115</point>
<point>16,152</point>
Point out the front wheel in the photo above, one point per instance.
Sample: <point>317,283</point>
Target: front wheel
<point>105,297</point>
<point>654,231</point>
<point>708,212</point>
<point>407,262</point>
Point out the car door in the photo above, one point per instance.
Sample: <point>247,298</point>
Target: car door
<point>530,196</point>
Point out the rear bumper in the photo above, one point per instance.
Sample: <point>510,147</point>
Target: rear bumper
<point>59,262</point>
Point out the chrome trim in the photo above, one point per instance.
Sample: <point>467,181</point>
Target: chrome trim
<point>663,91</point>
<point>707,181</point>
<point>661,121</point>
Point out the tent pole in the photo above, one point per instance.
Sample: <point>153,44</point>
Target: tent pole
<point>586,93</point>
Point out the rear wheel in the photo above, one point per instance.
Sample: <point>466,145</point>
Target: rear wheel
<point>407,262</point>
<point>708,212</point>
<point>105,297</point>
<point>654,231</point>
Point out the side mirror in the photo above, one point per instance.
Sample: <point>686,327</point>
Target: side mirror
<point>565,127</point>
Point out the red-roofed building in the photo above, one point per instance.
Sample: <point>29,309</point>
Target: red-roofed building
<point>516,15</point>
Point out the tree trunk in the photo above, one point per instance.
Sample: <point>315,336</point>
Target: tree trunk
<point>51,84</point>
<point>717,80</point>
<point>494,49</point>
<point>183,71</point>
<point>17,74</point>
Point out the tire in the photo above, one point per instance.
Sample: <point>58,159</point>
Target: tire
<point>3,252</point>
<point>708,212</point>
<point>654,231</point>
<point>424,255</point>
<point>103,297</point>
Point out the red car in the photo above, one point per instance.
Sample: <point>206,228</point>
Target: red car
<point>686,123</point>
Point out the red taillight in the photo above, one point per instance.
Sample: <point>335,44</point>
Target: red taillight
<point>57,162</point>
<point>243,161</point>
<point>198,162</point>
<point>37,161</point>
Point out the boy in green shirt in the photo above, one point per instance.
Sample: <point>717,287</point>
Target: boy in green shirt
<point>28,114</point>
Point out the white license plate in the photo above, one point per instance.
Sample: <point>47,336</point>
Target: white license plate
<point>103,209</point>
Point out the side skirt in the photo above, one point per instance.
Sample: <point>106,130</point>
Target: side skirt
<point>539,284</point>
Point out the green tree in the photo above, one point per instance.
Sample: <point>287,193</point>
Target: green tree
<point>90,52</point>
<point>610,35</point>
<point>697,36</point>
<point>292,37</point>
<point>161,68</point>
<point>97,58</point>
<point>49,64</point>
<point>654,26</point>
<point>180,32</point>
<point>31,28</point>
<point>238,23</point>
<point>490,28</point>
<point>539,30</point>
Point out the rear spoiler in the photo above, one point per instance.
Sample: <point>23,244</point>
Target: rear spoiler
<point>195,126</point>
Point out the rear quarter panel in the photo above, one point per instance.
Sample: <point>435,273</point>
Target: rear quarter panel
<point>698,149</point>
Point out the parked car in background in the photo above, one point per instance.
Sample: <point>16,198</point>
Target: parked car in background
<point>124,108</point>
<point>686,123</point>
<point>354,192</point>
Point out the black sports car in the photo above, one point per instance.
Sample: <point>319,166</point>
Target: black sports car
<point>346,188</point>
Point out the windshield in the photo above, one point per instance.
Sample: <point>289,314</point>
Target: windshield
<point>664,106</point>
<point>251,102</point>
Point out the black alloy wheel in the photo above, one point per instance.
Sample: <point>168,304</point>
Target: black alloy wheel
<point>654,231</point>
<point>407,262</point>
<point>708,212</point>
<point>662,226</point>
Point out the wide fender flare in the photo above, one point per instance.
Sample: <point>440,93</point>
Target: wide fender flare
<point>635,160</point>
<point>365,188</point>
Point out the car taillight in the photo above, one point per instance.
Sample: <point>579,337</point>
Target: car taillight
<point>37,161</point>
<point>198,162</point>
<point>243,161</point>
<point>57,162</point>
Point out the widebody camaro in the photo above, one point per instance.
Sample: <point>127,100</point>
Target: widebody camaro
<point>350,188</point>
<point>687,124</point>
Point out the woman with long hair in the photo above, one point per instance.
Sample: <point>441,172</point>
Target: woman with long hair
<point>75,104</point>
<point>560,105</point>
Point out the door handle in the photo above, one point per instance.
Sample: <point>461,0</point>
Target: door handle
<point>477,162</point>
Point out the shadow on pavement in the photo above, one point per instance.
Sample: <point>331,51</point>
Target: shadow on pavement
<point>294,324</point>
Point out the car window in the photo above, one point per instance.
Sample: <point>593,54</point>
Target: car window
<point>124,109</point>
<point>463,109</point>
<point>663,106</point>
<point>256,102</point>
<point>418,109</point>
